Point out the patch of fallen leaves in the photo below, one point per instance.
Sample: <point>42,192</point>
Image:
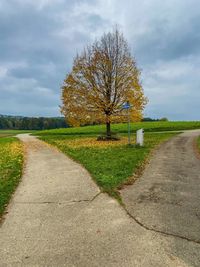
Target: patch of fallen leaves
<point>91,142</point>
<point>10,152</point>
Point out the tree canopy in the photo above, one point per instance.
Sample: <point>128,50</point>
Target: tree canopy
<point>104,76</point>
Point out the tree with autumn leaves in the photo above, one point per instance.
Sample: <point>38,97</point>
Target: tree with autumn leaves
<point>103,78</point>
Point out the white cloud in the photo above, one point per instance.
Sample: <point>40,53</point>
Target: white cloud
<point>3,72</point>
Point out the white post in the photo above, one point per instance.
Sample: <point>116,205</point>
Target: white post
<point>140,137</point>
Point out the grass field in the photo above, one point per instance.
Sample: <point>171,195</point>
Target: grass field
<point>111,163</point>
<point>11,162</point>
<point>157,126</point>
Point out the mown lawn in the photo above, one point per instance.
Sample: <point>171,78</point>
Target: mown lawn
<point>111,163</point>
<point>11,163</point>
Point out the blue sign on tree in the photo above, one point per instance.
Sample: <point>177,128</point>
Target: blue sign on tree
<point>126,105</point>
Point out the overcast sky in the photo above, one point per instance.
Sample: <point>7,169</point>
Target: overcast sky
<point>39,38</point>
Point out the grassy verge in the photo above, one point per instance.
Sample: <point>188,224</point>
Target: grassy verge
<point>198,142</point>
<point>11,163</point>
<point>111,163</point>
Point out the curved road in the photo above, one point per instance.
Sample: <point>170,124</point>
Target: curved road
<point>58,216</point>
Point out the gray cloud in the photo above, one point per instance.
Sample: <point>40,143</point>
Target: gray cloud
<point>38,40</point>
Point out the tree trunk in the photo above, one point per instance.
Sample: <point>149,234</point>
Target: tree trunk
<point>108,130</point>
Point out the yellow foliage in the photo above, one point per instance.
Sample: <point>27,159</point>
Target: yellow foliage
<point>12,150</point>
<point>16,148</point>
<point>103,78</point>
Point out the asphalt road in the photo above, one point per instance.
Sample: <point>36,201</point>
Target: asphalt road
<point>166,198</point>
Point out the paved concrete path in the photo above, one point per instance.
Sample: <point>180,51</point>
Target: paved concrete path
<point>166,198</point>
<point>58,217</point>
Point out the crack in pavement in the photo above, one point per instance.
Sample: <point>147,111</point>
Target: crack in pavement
<point>127,212</point>
<point>159,231</point>
<point>58,202</point>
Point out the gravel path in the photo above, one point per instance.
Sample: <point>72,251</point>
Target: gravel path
<point>58,217</point>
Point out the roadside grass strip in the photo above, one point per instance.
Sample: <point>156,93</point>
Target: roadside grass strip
<point>11,164</point>
<point>198,143</point>
<point>111,163</point>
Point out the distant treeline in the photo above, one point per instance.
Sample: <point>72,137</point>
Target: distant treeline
<point>41,123</point>
<point>31,123</point>
<point>150,119</point>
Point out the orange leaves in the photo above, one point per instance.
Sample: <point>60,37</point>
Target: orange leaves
<point>16,148</point>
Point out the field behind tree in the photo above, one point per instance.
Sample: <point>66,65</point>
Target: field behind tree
<point>155,126</point>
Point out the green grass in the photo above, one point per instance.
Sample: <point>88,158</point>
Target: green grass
<point>110,166</point>
<point>198,142</point>
<point>11,163</point>
<point>122,128</point>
